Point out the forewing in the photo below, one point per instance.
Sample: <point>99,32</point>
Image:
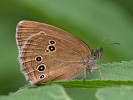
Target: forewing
<point>26,29</point>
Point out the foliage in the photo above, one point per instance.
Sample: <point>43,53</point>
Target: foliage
<point>99,89</point>
<point>89,20</point>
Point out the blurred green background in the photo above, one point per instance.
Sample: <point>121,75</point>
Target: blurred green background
<point>89,20</point>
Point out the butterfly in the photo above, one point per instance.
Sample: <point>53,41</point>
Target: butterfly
<point>47,53</point>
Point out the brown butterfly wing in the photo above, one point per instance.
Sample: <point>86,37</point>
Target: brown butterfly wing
<point>28,28</point>
<point>61,60</point>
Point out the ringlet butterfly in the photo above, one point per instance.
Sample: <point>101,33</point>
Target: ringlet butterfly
<point>47,53</point>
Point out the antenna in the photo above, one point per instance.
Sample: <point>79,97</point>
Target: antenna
<point>103,40</point>
<point>110,44</point>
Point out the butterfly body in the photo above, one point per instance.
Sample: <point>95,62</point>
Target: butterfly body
<point>47,53</point>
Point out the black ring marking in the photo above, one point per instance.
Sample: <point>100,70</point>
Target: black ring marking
<point>47,50</point>
<point>42,76</point>
<point>52,42</point>
<point>41,68</point>
<point>51,48</point>
<point>38,58</point>
<point>41,33</point>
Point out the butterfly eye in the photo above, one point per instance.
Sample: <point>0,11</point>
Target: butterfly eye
<point>41,68</point>
<point>42,76</point>
<point>51,48</point>
<point>52,42</point>
<point>39,58</point>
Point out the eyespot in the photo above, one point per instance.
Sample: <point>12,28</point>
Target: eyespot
<point>41,68</point>
<point>42,76</point>
<point>51,48</point>
<point>52,42</point>
<point>38,58</point>
<point>42,33</point>
<point>47,50</point>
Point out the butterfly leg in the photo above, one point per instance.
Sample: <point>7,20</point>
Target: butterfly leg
<point>99,71</point>
<point>84,73</point>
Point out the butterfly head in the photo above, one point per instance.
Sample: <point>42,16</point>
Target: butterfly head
<point>92,60</point>
<point>97,54</point>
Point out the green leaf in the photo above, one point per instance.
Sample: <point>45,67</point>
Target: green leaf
<point>119,73</point>
<point>51,92</point>
<point>114,71</point>
<point>81,94</point>
<point>89,20</point>
<point>115,93</point>
<point>76,89</point>
<point>90,83</point>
